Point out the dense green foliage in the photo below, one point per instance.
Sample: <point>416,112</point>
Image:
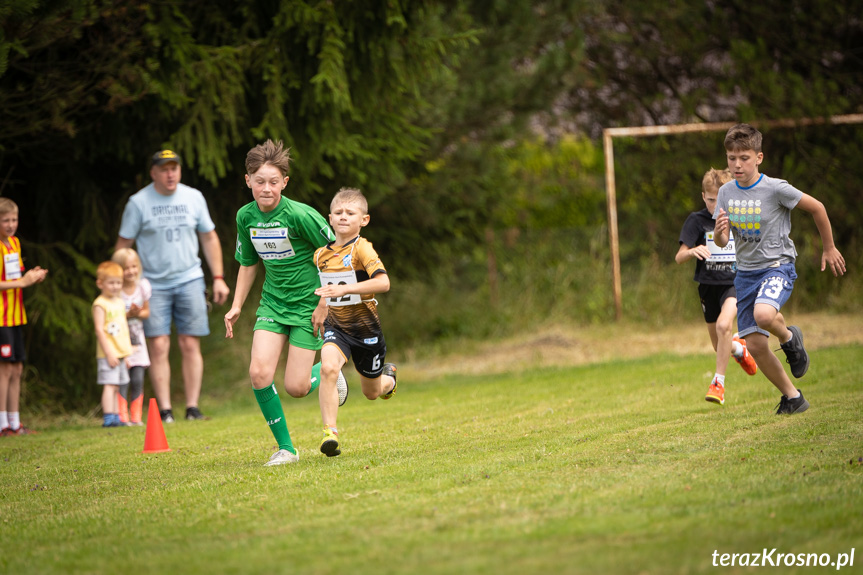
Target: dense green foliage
<point>471,125</point>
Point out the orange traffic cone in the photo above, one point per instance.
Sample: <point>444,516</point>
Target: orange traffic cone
<point>154,438</point>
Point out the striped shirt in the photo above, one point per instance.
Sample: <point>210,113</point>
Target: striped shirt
<point>11,300</point>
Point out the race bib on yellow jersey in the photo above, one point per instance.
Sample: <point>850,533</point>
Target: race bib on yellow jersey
<point>272,243</point>
<point>12,265</point>
<point>348,277</point>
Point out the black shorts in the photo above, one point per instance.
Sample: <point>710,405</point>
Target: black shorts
<point>369,354</point>
<point>12,344</point>
<point>712,298</point>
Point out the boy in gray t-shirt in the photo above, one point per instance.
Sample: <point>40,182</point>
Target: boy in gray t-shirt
<point>759,209</point>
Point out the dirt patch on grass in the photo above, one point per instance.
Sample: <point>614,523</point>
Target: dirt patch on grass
<point>560,346</point>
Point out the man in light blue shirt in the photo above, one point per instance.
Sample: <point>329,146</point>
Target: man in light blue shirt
<point>170,223</point>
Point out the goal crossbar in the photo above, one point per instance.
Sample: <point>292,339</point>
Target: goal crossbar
<point>636,131</point>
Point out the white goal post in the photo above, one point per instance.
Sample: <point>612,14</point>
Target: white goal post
<point>611,195</point>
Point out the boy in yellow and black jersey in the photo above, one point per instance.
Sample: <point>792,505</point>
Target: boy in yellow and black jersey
<point>353,314</point>
<point>351,274</point>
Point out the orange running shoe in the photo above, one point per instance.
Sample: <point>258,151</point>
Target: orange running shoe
<point>716,393</point>
<point>747,362</point>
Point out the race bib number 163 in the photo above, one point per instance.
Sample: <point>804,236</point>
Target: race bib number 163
<point>272,243</point>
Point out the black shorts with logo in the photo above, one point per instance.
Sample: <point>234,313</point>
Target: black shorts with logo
<point>712,298</point>
<point>369,353</point>
<point>12,344</point>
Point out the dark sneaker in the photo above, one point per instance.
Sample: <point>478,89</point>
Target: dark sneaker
<point>193,413</point>
<point>7,432</point>
<point>390,369</point>
<point>167,415</point>
<point>795,354</point>
<point>790,406</point>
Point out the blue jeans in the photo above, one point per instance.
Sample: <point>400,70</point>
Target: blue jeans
<point>772,286</point>
<point>185,304</point>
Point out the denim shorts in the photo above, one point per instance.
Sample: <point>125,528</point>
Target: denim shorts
<point>772,286</point>
<point>185,304</point>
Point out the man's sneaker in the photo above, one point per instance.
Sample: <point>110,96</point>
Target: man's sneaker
<point>330,444</point>
<point>795,354</point>
<point>193,413</point>
<point>390,369</point>
<point>788,406</point>
<point>716,393</point>
<point>342,388</point>
<point>7,432</point>
<point>282,457</point>
<point>746,361</point>
<point>167,415</point>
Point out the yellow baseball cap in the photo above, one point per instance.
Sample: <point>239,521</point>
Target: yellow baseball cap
<point>165,156</point>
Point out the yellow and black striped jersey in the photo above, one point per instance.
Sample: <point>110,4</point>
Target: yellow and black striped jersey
<point>354,262</point>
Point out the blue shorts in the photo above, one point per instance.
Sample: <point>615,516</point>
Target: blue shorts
<point>772,286</point>
<point>185,304</point>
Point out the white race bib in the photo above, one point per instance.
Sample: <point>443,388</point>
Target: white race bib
<point>717,254</point>
<point>341,278</point>
<point>12,265</point>
<point>272,243</point>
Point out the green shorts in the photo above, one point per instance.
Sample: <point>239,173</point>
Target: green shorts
<point>302,336</point>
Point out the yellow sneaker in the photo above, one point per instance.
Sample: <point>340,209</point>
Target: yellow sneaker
<point>330,443</point>
<point>716,393</point>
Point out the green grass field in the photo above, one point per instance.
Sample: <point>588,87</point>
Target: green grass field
<point>619,467</point>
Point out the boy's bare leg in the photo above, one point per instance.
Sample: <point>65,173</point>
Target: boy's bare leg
<point>332,362</point>
<point>768,318</point>
<point>5,375</point>
<point>376,387</point>
<point>724,332</point>
<point>266,350</point>
<point>10,386</point>
<point>298,371</point>
<point>711,331</point>
<point>771,319</point>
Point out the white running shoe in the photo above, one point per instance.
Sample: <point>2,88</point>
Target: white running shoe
<point>342,388</point>
<point>282,457</point>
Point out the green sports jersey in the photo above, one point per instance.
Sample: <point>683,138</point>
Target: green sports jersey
<point>285,239</point>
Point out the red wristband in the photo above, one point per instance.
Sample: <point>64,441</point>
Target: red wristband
<point>218,278</point>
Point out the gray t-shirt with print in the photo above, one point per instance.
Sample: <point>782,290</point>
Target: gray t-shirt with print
<point>760,218</point>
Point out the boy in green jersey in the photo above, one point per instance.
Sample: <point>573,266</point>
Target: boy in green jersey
<point>284,235</point>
